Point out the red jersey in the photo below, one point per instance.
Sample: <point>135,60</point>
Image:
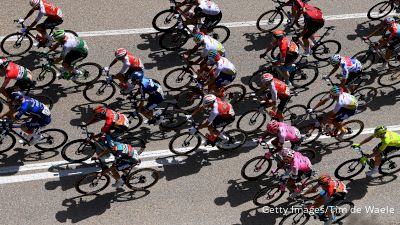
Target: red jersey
<point>114,119</point>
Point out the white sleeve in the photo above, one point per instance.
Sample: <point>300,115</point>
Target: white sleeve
<point>213,113</point>
<point>125,66</point>
<point>274,93</point>
<point>40,14</point>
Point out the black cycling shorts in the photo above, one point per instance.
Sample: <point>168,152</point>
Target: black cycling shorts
<point>74,56</point>
<point>221,121</point>
<point>50,23</point>
<point>311,26</point>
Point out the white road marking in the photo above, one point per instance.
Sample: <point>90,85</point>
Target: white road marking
<point>229,24</point>
<point>161,159</point>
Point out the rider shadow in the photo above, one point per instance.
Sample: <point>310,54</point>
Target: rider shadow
<point>21,155</point>
<point>84,111</point>
<point>364,29</point>
<point>56,91</point>
<point>258,41</point>
<point>385,98</point>
<point>28,61</point>
<point>164,59</point>
<point>150,42</point>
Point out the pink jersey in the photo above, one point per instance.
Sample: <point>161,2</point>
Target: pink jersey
<point>288,133</point>
<point>300,163</point>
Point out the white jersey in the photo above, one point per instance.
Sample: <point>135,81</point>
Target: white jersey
<point>346,101</point>
<point>71,43</point>
<point>225,66</point>
<point>208,7</point>
<point>209,44</point>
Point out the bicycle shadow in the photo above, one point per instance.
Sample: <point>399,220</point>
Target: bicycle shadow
<point>18,156</point>
<point>385,97</point>
<point>257,41</point>
<point>364,29</point>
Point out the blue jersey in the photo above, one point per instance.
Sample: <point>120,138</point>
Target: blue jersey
<point>32,108</point>
<point>150,87</point>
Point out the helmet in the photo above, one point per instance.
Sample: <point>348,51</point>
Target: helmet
<point>58,35</point>
<point>137,75</point>
<point>287,154</point>
<point>16,95</point>
<point>198,37</point>
<point>335,59</point>
<point>214,55</point>
<point>323,179</point>
<point>121,52</point>
<point>278,34</point>
<point>389,21</point>
<point>3,63</point>
<point>335,90</point>
<point>34,3</point>
<point>379,130</point>
<point>273,126</point>
<point>266,78</point>
<point>209,99</point>
<point>100,111</point>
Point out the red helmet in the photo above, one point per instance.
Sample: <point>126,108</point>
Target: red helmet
<point>100,111</point>
<point>278,34</point>
<point>120,53</point>
<point>273,126</point>
<point>324,180</point>
<point>267,78</point>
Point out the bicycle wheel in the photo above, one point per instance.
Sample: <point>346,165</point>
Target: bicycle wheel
<point>7,142</point>
<point>256,168</point>
<point>235,93</point>
<point>92,183</point>
<point>52,139</point>
<point>16,42</point>
<point>304,75</point>
<point>174,39</point>
<point>135,119</point>
<point>310,132</point>
<point>367,59</point>
<point>165,20</point>
<point>135,142</point>
<point>268,195</point>
<point>354,128</point>
<point>45,100</point>
<point>365,95</point>
<point>189,99</point>
<point>295,114</point>
<point>184,143</point>
<point>343,210</point>
<point>142,179</point>
<point>255,79</point>
<point>295,218</point>
<point>317,98</point>
<point>173,118</point>
<point>78,150</point>
<point>325,49</point>
<point>178,78</point>
<point>43,76</point>
<point>91,72</point>
<point>236,139</point>
<point>99,91</point>
<point>380,10</point>
<point>389,79</point>
<point>308,185</point>
<point>308,152</point>
<point>220,33</point>
<point>350,169</point>
<point>269,20</point>
<point>390,166</point>
<point>251,121</point>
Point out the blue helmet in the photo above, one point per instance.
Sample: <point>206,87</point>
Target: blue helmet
<point>199,36</point>
<point>335,90</point>
<point>16,95</point>
<point>137,75</point>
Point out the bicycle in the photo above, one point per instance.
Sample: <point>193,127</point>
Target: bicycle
<point>190,142</point>
<point>136,180</point>
<point>17,39</point>
<point>262,164</point>
<point>275,18</point>
<point>79,150</point>
<point>46,100</point>
<point>381,10</point>
<point>46,142</point>
<point>390,164</point>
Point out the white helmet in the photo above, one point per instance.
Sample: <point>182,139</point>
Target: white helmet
<point>335,59</point>
<point>34,3</point>
<point>209,99</point>
<point>121,52</point>
<point>266,78</point>
<point>287,154</point>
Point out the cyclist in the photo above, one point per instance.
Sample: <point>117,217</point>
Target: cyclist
<point>114,121</point>
<point>54,18</point>
<point>13,71</point>
<point>390,141</point>
<point>125,157</point>
<point>283,133</point>
<point>74,50</point>
<point>208,43</point>
<point>131,65</point>
<point>221,114</point>
<point>39,114</point>
<point>332,192</point>
<point>389,24</point>
<point>351,68</point>
<point>156,96</point>
<point>203,9</point>
<point>277,90</point>
<point>289,52</point>
<point>346,106</point>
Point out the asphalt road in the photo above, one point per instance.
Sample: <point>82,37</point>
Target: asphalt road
<point>205,187</point>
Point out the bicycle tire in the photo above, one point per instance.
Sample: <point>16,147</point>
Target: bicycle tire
<point>135,120</point>
<point>183,76</point>
<point>173,39</point>
<point>11,36</point>
<point>391,164</point>
<point>316,51</point>
<point>348,212</point>
<point>255,79</point>
<point>266,14</point>
<point>286,219</point>
<point>158,15</point>
<point>135,142</point>
<point>175,151</point>
<point>366,58</point>
<point>305,78</point>
<point>65,150</point>
<point>384,4</point>
<point>234,140</point>
<point>365,97</point>
<point>38,79</point>
<point>215,32</point>
<point>389,79</point>
<point>264,191</point>
<point>255,114</point>
<point>89,176</point>
<point>349,137</point>
<point>257,159</point>
<point>174,121</point>
<point>351,161</point>
<point>235,97</point>
<point>154,174</point>
<point>86,74</point>
<point>295,117</point>
<point>100,91</point>
<point>310,136</point>
<point>50,139</point>
<point>11,139</point>
<point>318,98</point>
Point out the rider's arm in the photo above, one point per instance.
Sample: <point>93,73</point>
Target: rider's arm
<point>102,153</point>
<point>274,93</point>
<point>29,13</point>
<point>380,27</point>
<point>54,47</point>
<point>333,70</point>
<point>198,110</point>
<point>193,50</point>
<point>367,139</point>
<point>39,17</point>
<point>112,63</point>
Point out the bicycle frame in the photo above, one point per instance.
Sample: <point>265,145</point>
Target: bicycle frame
<point>7,129</point>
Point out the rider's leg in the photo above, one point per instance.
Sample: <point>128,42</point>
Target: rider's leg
<point>378,159</point>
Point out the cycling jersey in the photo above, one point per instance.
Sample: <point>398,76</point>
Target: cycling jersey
<point>17,72</point>
<point>49,10</point>
<point>349,65</point>
<point>122,151</point>
<point>394,31</point>
<point>74,43</point>
<point>114,119</point>
<point>345,100</point>
<point>209,8</point>
<point>286,46</point>
<point>288,133</point>
<point>222,109</point>
<point>333,187</point>
<point>131,63</point>
<point>300,163</point>
<point>312,13</point>
<point>33,108</point>
<point>209,44</point>
<point>279,89</point>
<point>390,139</point>
<point>148,86</point>
<point>225,66</point>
